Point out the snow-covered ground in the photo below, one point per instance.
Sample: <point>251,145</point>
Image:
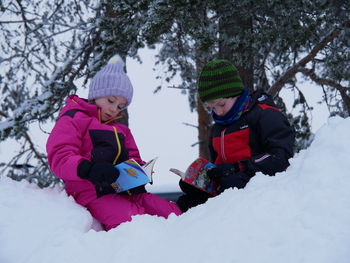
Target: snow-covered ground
<point>301,215</point>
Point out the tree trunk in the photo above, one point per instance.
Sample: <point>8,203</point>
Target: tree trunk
<point>204,117</point>
<point>204,124</point>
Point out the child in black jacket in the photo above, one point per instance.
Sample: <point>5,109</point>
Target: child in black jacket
<point>249,135</point>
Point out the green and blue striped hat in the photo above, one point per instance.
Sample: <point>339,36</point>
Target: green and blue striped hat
<point>219,79</point>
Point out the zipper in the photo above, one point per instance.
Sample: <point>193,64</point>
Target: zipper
<point>118,143</point>
<point>223,145</point>
<point>114,119</point>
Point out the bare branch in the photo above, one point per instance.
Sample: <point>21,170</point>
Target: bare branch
<point>328,82</point>
<point>177,87</point>
<point>277,86</point>
<point>191,125</point>
<point>31,145</point>
<point>3,114</point>
<point>36,153</point>
<point>87,54</point>
<point>17,21</point>
<point>25,20</point>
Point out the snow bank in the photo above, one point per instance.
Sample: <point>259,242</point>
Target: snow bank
<point>301,215</point>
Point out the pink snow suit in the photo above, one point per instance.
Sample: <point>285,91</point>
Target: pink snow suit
<point>79,135</point>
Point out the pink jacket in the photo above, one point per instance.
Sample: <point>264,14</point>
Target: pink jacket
<point>78,135</point>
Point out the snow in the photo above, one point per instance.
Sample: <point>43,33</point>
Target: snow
<point>301,215</point>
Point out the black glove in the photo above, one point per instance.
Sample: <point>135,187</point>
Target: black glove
<point>248,167</point>
<point>221,170</point>
<point>101,174</point>
<point>192,197</point>
<point>227,176</point>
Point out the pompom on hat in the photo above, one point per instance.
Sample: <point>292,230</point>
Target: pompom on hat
<point>111,80</point>
<point>219,79</point>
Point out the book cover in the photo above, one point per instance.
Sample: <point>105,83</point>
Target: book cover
<point>196,175</point>
<point>132,175</point>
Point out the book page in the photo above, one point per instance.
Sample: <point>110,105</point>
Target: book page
<point>148,168</point>
<point>178,172</point>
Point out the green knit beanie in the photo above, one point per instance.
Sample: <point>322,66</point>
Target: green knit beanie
<point>219,79</point>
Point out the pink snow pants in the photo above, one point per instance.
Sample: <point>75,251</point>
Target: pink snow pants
<point>113,209</point>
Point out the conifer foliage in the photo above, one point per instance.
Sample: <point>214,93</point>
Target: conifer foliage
<point>47,46</point>
<point>271,43</point>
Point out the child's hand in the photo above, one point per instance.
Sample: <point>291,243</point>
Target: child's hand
<point>192,196</point>
<point>101,174</point>
<point>228,175</point>
<point>221,170</point>
<point>237,179</point>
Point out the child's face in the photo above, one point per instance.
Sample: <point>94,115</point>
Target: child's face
<point>221,106</point>
<point>110,106</point>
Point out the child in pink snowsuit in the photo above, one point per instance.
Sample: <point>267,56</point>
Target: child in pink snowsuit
<point>87,142</point>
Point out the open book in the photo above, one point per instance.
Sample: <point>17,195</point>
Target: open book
<point>132,175</point>
<point>196,175</point>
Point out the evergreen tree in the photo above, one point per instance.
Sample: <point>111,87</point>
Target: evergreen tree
<point>44,47</point>
<point>269,41</point>
<point>47,45</point>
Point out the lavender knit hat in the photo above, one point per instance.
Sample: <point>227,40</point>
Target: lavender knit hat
<point>111,80</point>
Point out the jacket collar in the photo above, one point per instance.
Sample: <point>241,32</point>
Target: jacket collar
<point>76,103</point>
<point>236,111</point>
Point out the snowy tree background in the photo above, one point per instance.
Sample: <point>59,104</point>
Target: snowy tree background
<point>51,48</point>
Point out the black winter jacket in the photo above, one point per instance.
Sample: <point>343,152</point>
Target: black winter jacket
<point>262,136</point>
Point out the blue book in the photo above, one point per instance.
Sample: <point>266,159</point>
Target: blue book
<point>132,175</point>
